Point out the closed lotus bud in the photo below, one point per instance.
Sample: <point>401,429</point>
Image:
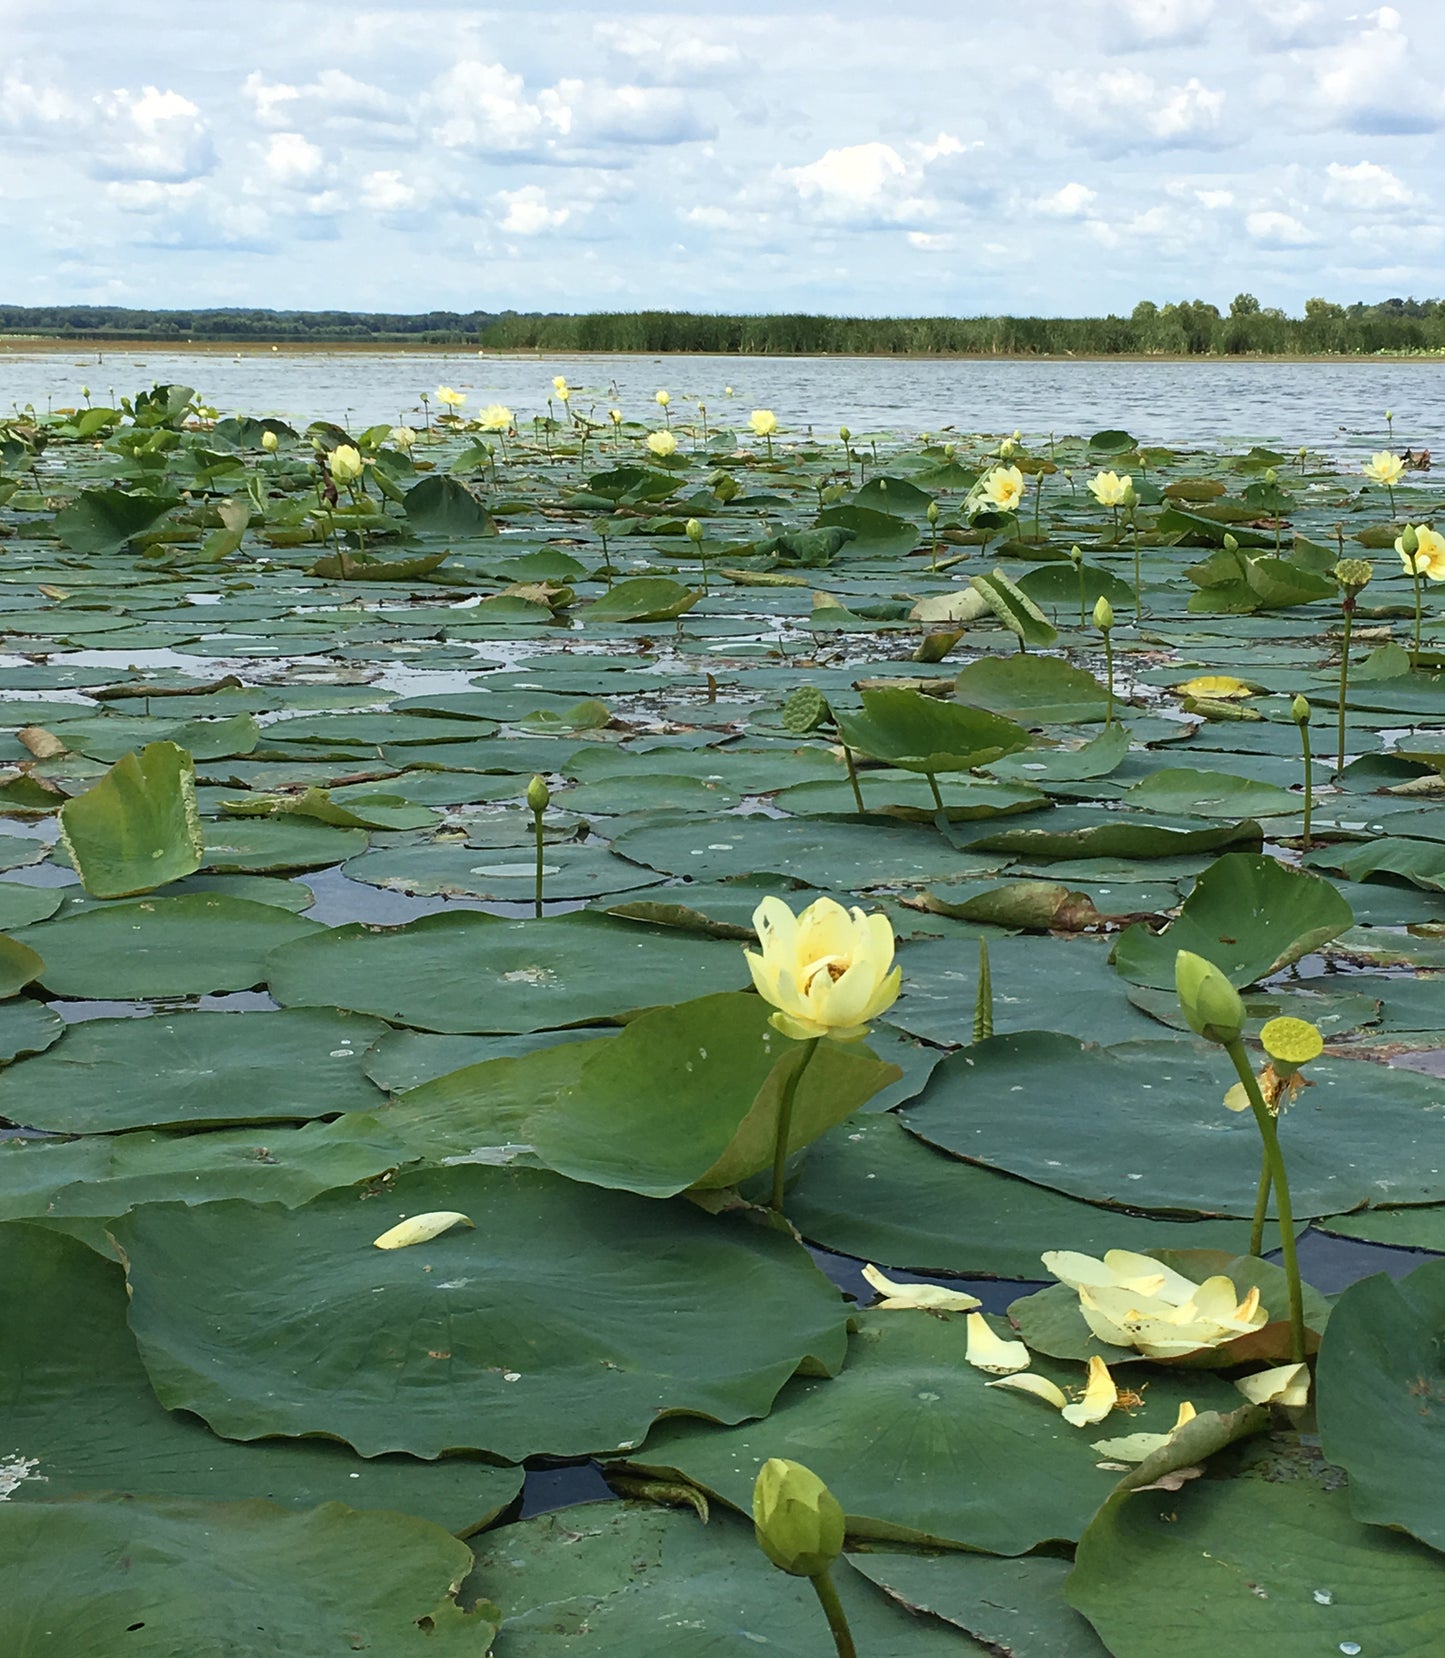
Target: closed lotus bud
<point>539,796</point>
<point>694,530</point>
<point>1299,710</point>
<point>1103,614</point>
<point>663,399</point>
<point>796,1518</point>
<point>844,433</point>
<point>1231,543</point>
<point>1076,558</point>
<point>1270,475</point>
<point>1409,542</point>
<point>1207,999</point>
<point>270,442</point>
<point>403,437</point>
<point>615,416</point>
<point>933,512</point>
<point>1131,495</point>
<point>345,463</point>
<point>85,391</point>
<point>949,451</point>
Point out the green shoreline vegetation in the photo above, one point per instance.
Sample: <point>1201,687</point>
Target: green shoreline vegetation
<point>1186,329</point>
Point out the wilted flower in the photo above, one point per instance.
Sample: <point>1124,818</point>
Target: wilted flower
<point>1110,490</point>
<point>496,417</point>
<point>763,423</point>
<point>1131,1300</point>
<point>1384,468</point>
<point>987,1351</point>
<point>451,397</point>
<point>797,1520</point>
<point>827,971</point>
<point>1003,488</point>
<point>927,1297</point>
<point>346,463</point>
<point>662,444</point>
<point>1427,557</point>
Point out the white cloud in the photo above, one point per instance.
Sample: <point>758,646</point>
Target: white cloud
<point>292,160</point>
<point>1070,201</point>
<point>927,241</point>
<point>1126,109</point>
<point>526,212</point>
<point>150,135</point>
<point>1160,22</point>
<point>484,107</point>
<point>1272,229</point>
<point>601,114</point>
<point>1214,201</point>
<point>333,96</point>
<point>870,184</point>
<point>29,108</point>
<point>1371,82</point>
<point>1366,187</point>
<point>666,53</point>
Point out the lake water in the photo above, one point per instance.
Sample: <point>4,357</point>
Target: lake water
<point>1337,407</point>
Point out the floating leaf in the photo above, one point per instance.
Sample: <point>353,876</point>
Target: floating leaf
<point>138,827</point>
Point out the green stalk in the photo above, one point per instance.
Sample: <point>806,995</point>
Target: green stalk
<point>1261,1208</point>
<point>1274,1165</point>
<point>1083,597</point>
<point>1038,497</point>
<point>1138,583</point>
<point>933,784</point>
<point>1109,674</point>
<point>785,1124</point>
<point>537,833</point>
<point>983,1000</point>
<point>827,1594</point>
<point>853,778</point>
<point>1415,577</point>
<point>1349,610</point>
<point>1304,737</point>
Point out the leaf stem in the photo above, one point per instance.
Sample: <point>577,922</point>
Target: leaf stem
<point>1304,737</point>
<point>827,1593</point>
<point>1274,1164</point>
<point>1349,609</point>
<point>785,1124</point>
<point>853,779</point>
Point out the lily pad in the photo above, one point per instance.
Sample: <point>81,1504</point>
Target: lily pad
<point>568,872</point>
<point>138,827</point>
<point>921,733</point>
<point>486,1338</point>
<point>1036,690</point>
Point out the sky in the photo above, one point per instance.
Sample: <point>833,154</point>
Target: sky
<point>1065,157</point>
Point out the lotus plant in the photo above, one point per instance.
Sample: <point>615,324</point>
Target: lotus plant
<point>1131,1300</point>
<point>764,423</point>
<point>1213,1008</point>
<point>827,972</point>
<point>1353,575</point>
<point>1002,490</point>
<point>1386,469</point>
<point>662,444</point>
<point>539,797</point>
<point>1422,552</point>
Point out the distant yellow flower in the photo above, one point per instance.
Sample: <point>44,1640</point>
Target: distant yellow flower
<point>663,399</point>
<point>270,442</point>
<point>559,382</point>
<point>615,416</point>
<point>496,417</point>
<point>1218,686</point>
<point>763,423</point>
<point>1429,559</point>
<point>1109,489</point>
<point>1004,488</point>
<point>451,397</point>
<point>346,464</point>
<point>1009,446</point>
<point>1384,468</point>
<point>403,437</point>
<point>662,444</point>
<point>564,393</point>
<point>828,971</point>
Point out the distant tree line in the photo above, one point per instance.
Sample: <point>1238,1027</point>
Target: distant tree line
<point>1187,328</point>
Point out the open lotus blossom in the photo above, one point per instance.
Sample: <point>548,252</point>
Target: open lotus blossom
<point>1429,556</point>
<point>403,437</point>
<point>1384,468</point>
<point>346,463</point>
<point>662,444</point>
<point>451,397</point>
<point>1286,1384</point>
<point>1135,1447</point>
<point>496,417</point>
<point>991,1352</point>
<point>828,971</point>
<point>559,382</point>
<point>1131,1300</point>
<point>663,399</point>
<point>763,423</point>
<point>927,1297</point>
<point>1003,488</point>
<point>1110,489</point>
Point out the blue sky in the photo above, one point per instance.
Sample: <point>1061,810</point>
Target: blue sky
<point>1067,156</point>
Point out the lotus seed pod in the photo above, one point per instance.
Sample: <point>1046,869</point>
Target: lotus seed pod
<point>796,1518</point>
<point>805,710</point>
<point>539,796</point>
<point>1353,574</point>
<point>1291,1043</point>
<point>1207,999</point>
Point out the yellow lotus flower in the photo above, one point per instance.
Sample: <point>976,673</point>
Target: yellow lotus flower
<point>1384,468</point>
<point>559,382</point>
<point>1130,1300</point>
<point>1219,686</point>
<point>987,1351</point>
<point>1099,1397</point>
<point>1009,446</point>
<point>270,442</point>
<point>496,417</point>
<point>763,423</point>
<point>346,464</point>
<point>828,971</point>
<point>1135,1447</point>
<point>662,444</point>
<point>420,1229</point>
<point>1003,488</point>
<point>1429,558</point>
<point>615,416</point>
<point>1111,490</point>
<point>452,398</point>
<point>403,437</point>
<point>928,1297</point>
<point>663,399</point>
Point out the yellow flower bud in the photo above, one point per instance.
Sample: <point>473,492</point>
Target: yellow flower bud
<point>270,442</point>
<point>932,514</point>
<point>1209,1001</point>
<point>538,796</point>
<point>694,530</point>
<point>663,399</point>
<point>844,433</point>
<point>345,463</point>
<point>1299,710</point>
<point>796,1518</point>
<point>1103,614</point>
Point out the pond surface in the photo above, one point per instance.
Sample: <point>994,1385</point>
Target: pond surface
<point>1337,407</point>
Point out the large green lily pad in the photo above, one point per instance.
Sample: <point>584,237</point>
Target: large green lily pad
<point>1380,1395</point>
<point>1144,1125</point>
<point>265,1320</point>
<point>1038,690</point>
<point>116,1575</point>
<point>916,1448</point>
<point>138,827</point>
<point>507,875</point>
<point>186,946</point>
<point>79,1411</point>
<point>194,1069</point>
<point>922,733</point>
<point>471,972</point>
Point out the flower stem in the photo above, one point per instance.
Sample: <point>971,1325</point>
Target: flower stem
<point>1261,1208</point>
<point>1349,610</point>
<point>1415,575</point>
<point>785,1124</point>
<point>827,1593</point>
<point>1304,737</point>
<point>853,779</point>
<point>1138,584</point>
<point>1109,672</point>
<point>933,784</point>
<point>537,832</point>
<point>1274,1165</point>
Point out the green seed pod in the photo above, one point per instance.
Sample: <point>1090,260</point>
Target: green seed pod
<point>1410,541</point>
<point>805,710</point>
<point>796,1518</point>
<point>1353,573</point>
<point>1207,999</point>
